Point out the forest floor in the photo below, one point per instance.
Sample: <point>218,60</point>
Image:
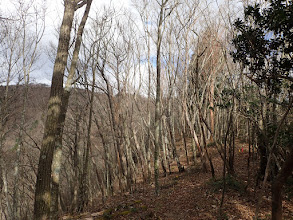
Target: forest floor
<point>193,195</point>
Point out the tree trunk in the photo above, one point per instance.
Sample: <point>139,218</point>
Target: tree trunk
<point>114,124</point>
<point>164,145</point>
<point>56,163</point>
<point>75,164</point>
<point>183,133</point>
<point>52,126</point>
<point>212,117</point>
<point>158,99</point>
<point>17,167</point>
<point>277,187</point>
<point>5,190</point>
<point>83,190</point>
<point>207,153</point>
<point>172,139</point>
<point>107,162</point>
<point>46,197</point>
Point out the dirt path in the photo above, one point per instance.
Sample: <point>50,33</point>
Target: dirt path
<point>191,195</point>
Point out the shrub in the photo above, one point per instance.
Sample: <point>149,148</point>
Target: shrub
<point>231,183</point>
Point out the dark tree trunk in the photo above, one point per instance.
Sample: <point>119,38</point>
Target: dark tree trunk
<point>262,149</point>
<point>277,187</point>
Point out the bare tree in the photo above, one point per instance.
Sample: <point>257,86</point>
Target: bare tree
<point>46,198</point>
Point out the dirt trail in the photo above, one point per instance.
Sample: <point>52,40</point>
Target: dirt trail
<point>191,195</point>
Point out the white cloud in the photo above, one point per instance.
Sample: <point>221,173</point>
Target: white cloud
<point>54,14</point>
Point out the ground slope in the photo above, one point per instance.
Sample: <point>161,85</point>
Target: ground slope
<point>192,195</point>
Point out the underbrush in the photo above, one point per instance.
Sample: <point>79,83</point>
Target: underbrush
<point>123,210</point>
<point>222,216</point>
<point>289,188</point>
<point>231,183</point>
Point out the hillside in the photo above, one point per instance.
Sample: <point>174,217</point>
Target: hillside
<point>157,109</point>
<point>192,195</point>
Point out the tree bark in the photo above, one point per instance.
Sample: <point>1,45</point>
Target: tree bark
<point>172,139</point>
<point>83,191</point>
<point>43,184</point>
<point>158,96</point>
<point>46,196</point>
<point>277,187</point>
<point>56,163</point>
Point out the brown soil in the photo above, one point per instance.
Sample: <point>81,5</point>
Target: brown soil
<point>193,195</point>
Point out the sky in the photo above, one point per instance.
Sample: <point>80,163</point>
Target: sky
<point>54,12</point>
<point>54,16</point>
<point>43,69</point>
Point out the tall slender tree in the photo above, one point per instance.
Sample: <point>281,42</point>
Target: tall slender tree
<point>46,194</point>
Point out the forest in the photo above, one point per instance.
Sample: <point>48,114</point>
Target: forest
<point>156,109</point>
